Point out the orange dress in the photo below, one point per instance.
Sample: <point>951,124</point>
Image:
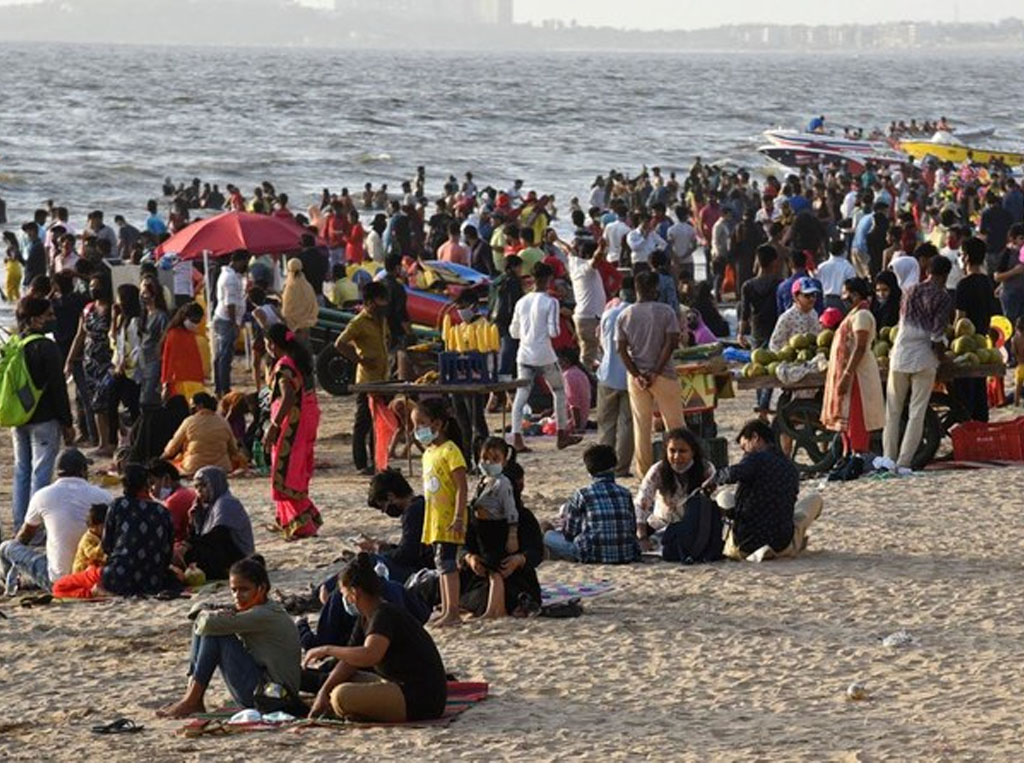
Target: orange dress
<point>181,366</point>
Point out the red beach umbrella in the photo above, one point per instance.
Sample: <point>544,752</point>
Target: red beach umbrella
<point>231,231</point>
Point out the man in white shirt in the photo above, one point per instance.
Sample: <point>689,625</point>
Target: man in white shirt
<point>535,324</point>
<point>62,508</point>
<point>721,240</point>
<point>614,234</point>
<point>682,238</point>
<point>833,273</point>
<point>588,289</point>
<point>643,241</point>
<point>914,360</point>
<point>227,318</point>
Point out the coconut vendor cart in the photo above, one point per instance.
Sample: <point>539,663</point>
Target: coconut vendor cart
<point>705,379</point>
<point>816,449</point>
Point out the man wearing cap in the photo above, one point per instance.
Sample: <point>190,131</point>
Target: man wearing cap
<point>62,509</point>
<point>798,270</point>
<point>799,318</point>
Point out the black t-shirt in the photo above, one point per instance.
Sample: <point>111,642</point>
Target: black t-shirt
<point>314,267</point>
<point>411,661</point>
<point>758,307</point>
<point>975,297</point>
<point>46,367</point>
<point>398,309</point>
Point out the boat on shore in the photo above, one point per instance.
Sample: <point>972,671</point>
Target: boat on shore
<point>785,137</point>
<point>796,157</point>
<point>947,147</point>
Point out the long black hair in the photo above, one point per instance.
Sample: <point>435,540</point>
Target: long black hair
<point>297,351</point>
<point>667,482</point>
<point>253,569</point>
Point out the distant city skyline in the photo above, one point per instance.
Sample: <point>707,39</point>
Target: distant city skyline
<point>673,14</point>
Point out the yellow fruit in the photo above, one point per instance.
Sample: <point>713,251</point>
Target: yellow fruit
<point>881,349</point>
<point>787,354</point>
<point>825,338</point>
<point>981,340</point>
<point>757,370</point>
<point>773,368</point>
<point>799,341</point>
<point>823,351</point>
<point>805,355</point>
<point>762,356</point>
<point>194,576</point>
<point>884,332</point>
<point>950,332</point>
<point>893,333</point>
<point>747,371</point>
<point>964,327</point>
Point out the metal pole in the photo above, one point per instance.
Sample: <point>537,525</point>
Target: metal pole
<point>209,312</point>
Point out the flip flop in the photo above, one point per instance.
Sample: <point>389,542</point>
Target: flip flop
<point>121,725</point>
<point>31,600</point>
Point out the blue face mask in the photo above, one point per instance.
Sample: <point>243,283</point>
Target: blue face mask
<point>425,435</point>
<point>350,608</point>
<point>491,470</point>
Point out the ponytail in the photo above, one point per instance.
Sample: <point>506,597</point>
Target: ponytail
<point>436,409</point>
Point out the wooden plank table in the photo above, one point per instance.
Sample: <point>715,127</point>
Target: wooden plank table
<point>947,372</point>
<point>407,389</point>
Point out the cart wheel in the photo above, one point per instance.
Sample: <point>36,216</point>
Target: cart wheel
<point>334,372</point>
<point>815,449</point>
<point>931,438</point>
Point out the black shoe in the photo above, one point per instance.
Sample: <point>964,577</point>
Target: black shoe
<point>367,471</point>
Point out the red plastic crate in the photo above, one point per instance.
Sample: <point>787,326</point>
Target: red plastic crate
<point>999,441</point>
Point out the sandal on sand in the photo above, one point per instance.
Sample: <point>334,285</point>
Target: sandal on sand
<point>121,725</point>
<point>32,600</point>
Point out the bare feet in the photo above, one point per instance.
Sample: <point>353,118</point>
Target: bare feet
<point>181,709</point>
<point>445,620</point>
<point>520,445</point>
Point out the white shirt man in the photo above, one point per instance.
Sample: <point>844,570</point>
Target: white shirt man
<point>588,289</point>
<point>230,292</point>
<point>682,238</point>
<point>62,508</point>
<point>643,241</point>
<point>721,234</point>
<point>613,237</point>
<point>833,272</point>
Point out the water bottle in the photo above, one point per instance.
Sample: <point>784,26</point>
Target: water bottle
<point>259,459</point>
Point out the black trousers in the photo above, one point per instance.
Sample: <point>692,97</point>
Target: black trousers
<point>362,433</point>
<point>124,392</point>
<point>472,420</point>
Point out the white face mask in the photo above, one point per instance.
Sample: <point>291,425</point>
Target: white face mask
<point>681,469</point>
<point>190,325</point>
<point>163,493</point>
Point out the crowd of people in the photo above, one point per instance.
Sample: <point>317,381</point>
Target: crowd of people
<point>587,319</point>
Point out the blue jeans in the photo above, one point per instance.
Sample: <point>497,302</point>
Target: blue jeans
<point>225,332</point>
<point>28,562</point>
<point>241,673</point>
<point>560,547</point>
<point>35,452</point>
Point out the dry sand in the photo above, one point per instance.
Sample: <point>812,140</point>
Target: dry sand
<point>727,662</point>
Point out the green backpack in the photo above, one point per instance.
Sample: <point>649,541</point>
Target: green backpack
<point>19,395</point>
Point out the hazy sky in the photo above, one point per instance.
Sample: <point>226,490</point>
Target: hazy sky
<point>676,14</point>
<point>688,14</point>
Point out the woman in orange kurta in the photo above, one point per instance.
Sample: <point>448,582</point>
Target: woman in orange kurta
<point>853,404</point>
<point>181,369</point>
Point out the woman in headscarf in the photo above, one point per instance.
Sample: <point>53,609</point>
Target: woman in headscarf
<point>289,438</point>
<point>219,530</point>
<point>885,307</point>
<point>298,301</point>
<point>853,404</point>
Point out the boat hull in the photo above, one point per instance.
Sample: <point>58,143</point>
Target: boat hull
<point>957,153</point>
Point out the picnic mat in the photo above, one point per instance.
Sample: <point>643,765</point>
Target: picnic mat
<point>559,592</point>
<point>461,696</point>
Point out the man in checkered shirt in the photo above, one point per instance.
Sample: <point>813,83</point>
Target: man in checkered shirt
<point>598,523</point>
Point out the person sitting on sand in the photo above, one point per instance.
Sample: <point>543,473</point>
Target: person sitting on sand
<point>598,523</point>
<point>138,537</point>
<point>165,486</point>
<point>668,506</point>
<point>252,643</point>
<point>62,510</point>
<point>518,571</point>
<point>219,531</point>
<point>204,439</point>
<point>764,508</point>
<point>391,493</point>
<point>89,553</point>
<point>409,684</point>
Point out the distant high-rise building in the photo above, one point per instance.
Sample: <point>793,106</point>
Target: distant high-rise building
<point>491,12</point>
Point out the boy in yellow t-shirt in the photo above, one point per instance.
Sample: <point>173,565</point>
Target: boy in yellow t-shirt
<point>90,547</point>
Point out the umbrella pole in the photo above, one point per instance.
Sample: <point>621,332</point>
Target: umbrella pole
<point>209,312</point>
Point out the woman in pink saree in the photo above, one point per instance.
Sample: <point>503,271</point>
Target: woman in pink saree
<point>289,439</point>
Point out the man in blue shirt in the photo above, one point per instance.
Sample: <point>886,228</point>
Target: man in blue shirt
<point>154,224</point>
<point>1013,201</point>
<point>784,293</point>
<point>817,125</point>
<point>614,419</point>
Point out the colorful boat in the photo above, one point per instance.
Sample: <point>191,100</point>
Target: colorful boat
<point>825,141</point>
<point>804,157</point>
<point>945,146</point>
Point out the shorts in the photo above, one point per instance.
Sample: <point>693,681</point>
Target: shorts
<point>1018,374</point>
<point>444,556</point>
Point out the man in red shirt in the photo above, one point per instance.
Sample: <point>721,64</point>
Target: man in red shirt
<point>709,214</point>
<point>334,231</point>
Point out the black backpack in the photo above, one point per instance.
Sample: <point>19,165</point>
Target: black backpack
<point>697,538</point>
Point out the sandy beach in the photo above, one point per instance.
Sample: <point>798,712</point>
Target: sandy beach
<point>728,662</point>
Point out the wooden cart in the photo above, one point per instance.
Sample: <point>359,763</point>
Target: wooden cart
<point>816,449</point>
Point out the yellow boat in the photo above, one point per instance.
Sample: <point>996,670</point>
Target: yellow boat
<point>945,147</point>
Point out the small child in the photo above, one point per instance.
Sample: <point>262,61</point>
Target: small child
<point>1017,344</point>
<point>90,547</point>
<point>445,491</point>
<point>496,520</point>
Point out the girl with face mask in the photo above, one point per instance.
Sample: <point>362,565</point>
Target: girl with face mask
<point>183,365</point>
<point>669,486</point>
<point>165,486</point>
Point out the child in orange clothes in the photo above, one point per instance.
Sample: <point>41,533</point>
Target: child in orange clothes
<point>89,559</point>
